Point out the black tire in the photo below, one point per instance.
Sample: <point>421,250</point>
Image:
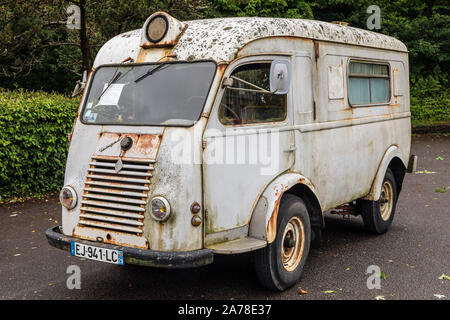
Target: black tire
<point>316,237</point>
<point>269,266</point>
<point>376,219</point>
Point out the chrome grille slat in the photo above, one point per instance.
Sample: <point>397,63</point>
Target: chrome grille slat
<point>113,199</point>
<point>125,166</point>
<point>111,219</point>
<point>112,205</point>
<point>118,192</point>
<point>123,172</point>
<point>116,200</point>
<point>110,212</point>
<point>117,185</point>
<point>103,158</point>
<point>116,178</point>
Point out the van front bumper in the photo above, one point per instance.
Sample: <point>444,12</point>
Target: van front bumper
<point>150,258</point>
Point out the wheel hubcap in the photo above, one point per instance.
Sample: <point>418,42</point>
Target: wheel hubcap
<point>292,244</point>
<point>386,200</point>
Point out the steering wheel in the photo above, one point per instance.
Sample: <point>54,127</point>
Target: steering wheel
<point>236,118</point>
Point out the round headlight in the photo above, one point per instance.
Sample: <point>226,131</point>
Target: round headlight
<point>160,208</point>
<point>157,28</point>
<point>68,197</point>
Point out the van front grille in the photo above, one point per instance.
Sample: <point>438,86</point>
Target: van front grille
<point>116,200</point>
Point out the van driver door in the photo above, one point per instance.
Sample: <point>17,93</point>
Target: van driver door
<point>248,142</point>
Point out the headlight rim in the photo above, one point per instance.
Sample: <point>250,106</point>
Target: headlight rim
<point>147,28</point>
<point>167,206</point>
<point>74,196</point>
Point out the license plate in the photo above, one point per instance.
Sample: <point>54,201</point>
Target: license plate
<point>95,253</point>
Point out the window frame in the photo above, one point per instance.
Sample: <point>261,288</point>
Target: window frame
<point>389,77</point>
<point>84,100</point>
<point>232,68</point>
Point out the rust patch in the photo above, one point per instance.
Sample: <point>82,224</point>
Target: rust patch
<point>272,225</point>
<point>164,44</point>
<point>144,146</point>
<point>221,68</point>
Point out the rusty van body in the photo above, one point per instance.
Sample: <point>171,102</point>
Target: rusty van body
<point>232,135</point>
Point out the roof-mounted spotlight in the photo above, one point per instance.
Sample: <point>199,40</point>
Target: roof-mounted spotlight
<point>161,30</point>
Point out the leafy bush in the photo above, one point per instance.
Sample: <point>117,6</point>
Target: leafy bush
<point>429,103</point>
<point>34,127</point>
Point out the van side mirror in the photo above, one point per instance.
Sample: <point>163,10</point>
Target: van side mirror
<point>280,76</point>
<point>79,87</point>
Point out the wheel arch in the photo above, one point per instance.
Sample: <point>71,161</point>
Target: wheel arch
<point>263,223</point>
<point>392,159</point>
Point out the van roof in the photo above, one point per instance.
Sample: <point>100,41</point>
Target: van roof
<point>221,39</point>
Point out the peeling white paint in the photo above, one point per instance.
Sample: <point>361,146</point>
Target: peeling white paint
<point>221,39</point>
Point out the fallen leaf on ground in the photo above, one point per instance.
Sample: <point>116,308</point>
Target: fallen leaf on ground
<point>383,275</point>
<point>444,276</point>
<point>440,158</point>
<point>425,172</point>
<point>301,291</point>
<point>439,296</point>
<point>380,298</point>
<point>329,291</point>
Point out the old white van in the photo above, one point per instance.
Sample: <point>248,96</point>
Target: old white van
<point>232,135</point>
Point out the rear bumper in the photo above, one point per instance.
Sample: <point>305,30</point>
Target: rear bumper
<point>159,259</point>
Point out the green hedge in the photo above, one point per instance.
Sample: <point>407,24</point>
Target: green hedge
<point>430,110</point>
<point>34,127</point>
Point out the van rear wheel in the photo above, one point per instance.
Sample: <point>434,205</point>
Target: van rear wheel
<point>378,215</point>
<point>280,264</point>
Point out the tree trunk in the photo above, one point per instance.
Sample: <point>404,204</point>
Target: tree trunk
<point>84,41</point>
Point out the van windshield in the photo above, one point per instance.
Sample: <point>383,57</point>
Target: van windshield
<point>164,94</point>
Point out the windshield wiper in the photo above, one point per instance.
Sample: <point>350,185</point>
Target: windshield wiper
<point>150,72</point>
<point>113,79</point>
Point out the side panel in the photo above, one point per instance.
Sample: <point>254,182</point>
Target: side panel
<point>341,150</point>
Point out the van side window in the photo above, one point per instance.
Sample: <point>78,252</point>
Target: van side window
<point>368,83</point>
<point>249,100</point>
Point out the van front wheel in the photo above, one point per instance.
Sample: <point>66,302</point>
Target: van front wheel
<point>378,215</point>
<point>280,264</point>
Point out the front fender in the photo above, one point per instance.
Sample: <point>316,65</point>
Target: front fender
<point>263,224</point>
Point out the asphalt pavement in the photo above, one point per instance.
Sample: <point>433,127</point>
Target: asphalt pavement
<point>413,255</point>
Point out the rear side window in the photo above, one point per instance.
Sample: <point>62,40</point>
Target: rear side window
<point>249,100</point>
<point>368,83</point>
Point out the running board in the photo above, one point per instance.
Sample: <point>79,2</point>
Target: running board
<point>238,246</point>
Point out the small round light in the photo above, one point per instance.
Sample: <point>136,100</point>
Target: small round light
<point>160,209</point>
<point>196,221</point>
<point>68,197</point>
<point>157,28</point>
<point>195,208</point>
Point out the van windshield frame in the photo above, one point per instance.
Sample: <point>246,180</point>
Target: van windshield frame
<point>91,99</point>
